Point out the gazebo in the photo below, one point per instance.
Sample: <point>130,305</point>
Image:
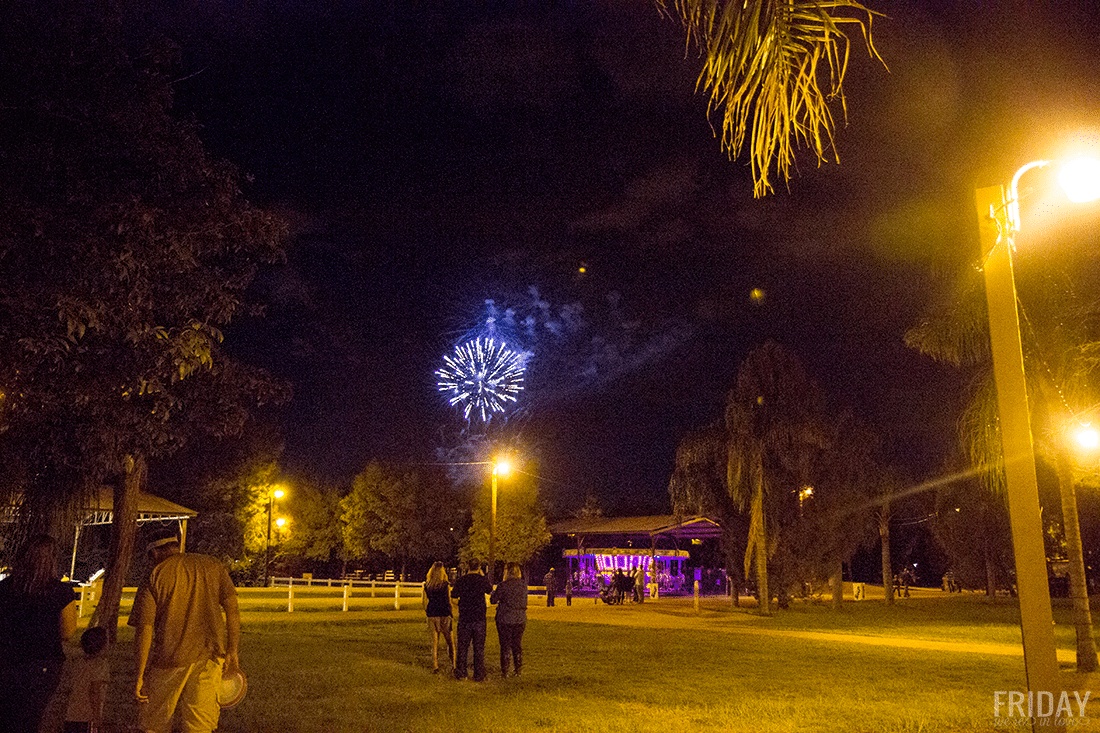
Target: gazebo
<point>661,564</point>
<point>100,511</point>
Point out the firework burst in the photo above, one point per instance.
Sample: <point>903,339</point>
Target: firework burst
<point>482,376</point>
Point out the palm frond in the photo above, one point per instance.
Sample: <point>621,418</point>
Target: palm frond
<point>956,329</point>
<point>762,61</point>
<point>980,433</point>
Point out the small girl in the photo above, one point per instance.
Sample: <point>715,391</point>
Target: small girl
<point>85,711</point>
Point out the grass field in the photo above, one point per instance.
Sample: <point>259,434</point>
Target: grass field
<point>931,663</point>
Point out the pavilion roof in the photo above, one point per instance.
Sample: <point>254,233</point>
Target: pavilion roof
<point>696,527</point>
<point>100,508</point>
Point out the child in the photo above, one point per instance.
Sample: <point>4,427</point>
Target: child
<point>85,711</point>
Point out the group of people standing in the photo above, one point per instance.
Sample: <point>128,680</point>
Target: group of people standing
<point>621,584</point>
<point>187,631</point>
<point>469,591</point>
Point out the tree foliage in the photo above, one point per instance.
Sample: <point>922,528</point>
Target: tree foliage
<point>698,487</point>
<point>314,532</point>
<point>794,491</point>
<point>774,426</point>
<point>125,250</point>
<point>399,513</point>
<point>763,63</point>
<point>521,529</point>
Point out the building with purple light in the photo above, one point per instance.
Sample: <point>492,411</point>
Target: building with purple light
<point>657,544</point>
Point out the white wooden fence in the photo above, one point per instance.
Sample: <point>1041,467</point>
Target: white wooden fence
<point>401,591</point>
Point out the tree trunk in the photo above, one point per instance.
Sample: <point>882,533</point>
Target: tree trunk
<point>887,571</point>
<point>838,585</point>
<point>987,558</point>
<point>763,594</point>
<point>123,531</point>
<point>1078,588</point>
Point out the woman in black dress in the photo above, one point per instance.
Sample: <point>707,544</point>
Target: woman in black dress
<point>437,603</point>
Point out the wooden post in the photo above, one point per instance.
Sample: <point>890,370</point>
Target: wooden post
<point>347,591</point>
<point>697,596</point>
<point>397,595</point>
<point>290,597</point>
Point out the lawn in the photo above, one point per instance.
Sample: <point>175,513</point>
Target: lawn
<point>655,667</point>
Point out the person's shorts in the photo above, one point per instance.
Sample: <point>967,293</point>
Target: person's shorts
<point>439,624</point>
<point>190,692</point>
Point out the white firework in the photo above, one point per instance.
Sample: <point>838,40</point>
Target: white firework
<point>482,376</point>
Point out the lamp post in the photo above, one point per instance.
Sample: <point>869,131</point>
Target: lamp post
<point>501,467</point>
<point>998,223</point>
<point>271,497</point>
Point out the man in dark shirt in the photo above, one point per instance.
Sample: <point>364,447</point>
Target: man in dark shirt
<point>470,590</point>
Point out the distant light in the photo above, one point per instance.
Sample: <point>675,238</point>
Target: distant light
<point>582,269</point>
<point>280,522</point>
<point>1080,180</point>
<point>278,493</point>
<point>757,295</point>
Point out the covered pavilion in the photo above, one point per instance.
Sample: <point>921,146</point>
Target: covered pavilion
<point>603,545</point>
<point>100,511</point>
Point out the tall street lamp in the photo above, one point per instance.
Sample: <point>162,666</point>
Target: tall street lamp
<point>271,497</point>
<point>501,467</point>
<point>998,224</point>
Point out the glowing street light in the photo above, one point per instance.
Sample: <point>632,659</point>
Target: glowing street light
<point>274,494</point>
<point>1087,437</point>
<point>998,223</point>
<point>803,494</point>
<point>501,467</point>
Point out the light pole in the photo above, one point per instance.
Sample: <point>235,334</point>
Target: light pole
<point>998,223</point>
<point>271,497</point>
<point>501,467</point>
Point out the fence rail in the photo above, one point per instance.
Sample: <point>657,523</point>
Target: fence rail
<point>310,593</point>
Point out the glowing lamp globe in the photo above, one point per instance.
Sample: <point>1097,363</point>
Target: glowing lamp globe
<point>1088,438</point>
<point>1080,180</point>
<point>501,468</point>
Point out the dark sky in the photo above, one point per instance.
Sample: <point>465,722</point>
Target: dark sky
<point>435,155</point>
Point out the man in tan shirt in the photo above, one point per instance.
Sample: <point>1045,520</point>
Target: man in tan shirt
<point>182,643</point>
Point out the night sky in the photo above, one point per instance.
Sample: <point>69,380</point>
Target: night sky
<point>434,156</point>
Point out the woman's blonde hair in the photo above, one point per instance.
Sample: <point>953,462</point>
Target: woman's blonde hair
<point>512,570</point>
<point>437,575</point>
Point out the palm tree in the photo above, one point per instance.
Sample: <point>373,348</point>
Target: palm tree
<point>1059,360</point>
<point>761,64</point>
<point>773,425</point>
